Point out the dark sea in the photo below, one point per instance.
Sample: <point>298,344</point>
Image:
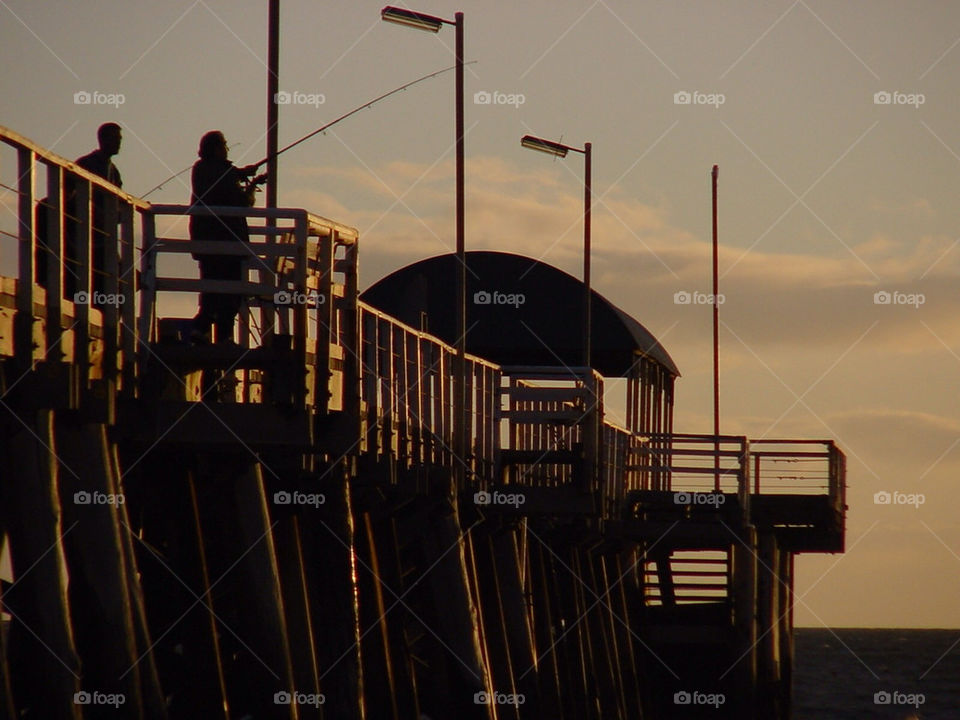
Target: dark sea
<point>855,674</point>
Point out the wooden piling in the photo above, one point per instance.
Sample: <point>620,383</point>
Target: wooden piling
<point>99,586</point>
<point>45,669</point>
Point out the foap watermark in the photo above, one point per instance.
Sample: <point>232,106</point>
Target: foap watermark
<point>97,298</point>
<point>498,698</point>
<point>484,97</point>
<point>84,497</point>
<point>886,697</point>
<point>686,97</point>
<point>87,697</point>
<point>310,299</point>
<point>282,497</point>
<point>683,297</point>
<point>499,498</point>
<point>295,97</point>
<point>95,97</point>
<point>699,498</point>
<point>885,97</point>
<point>495,297</point>
<point>899,498</point>
<point>886,297</point>
<point>283,697</point>
<point>685,697</point>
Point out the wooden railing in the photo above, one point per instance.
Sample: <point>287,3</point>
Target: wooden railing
<point>88,311</point>
<point>525,425</point>
<point>406,399</point>
<point>305,289</point>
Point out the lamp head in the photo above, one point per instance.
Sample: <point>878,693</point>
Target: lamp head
<point>545,146</point>
<point>402,16</point>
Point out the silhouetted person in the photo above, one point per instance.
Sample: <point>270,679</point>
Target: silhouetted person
<point>99,162</point>
<point>217,181</point>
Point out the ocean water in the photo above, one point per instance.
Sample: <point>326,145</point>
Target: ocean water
<point>856,674</point>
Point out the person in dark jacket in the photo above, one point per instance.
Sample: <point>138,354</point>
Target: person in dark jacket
<point>218,182</point>
<point>99,162</point>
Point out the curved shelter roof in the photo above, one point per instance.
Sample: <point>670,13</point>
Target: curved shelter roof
<point>519,312</point>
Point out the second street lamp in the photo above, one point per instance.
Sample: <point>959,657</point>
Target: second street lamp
<point>431,23</point>
<point>560,150</point>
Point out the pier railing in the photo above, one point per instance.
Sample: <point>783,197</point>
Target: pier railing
<point>304,294</point>
<point>406,399</point>
<point>75,272</point>
<point>537,426</point>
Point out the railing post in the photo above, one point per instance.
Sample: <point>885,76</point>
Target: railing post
<point>109,281</point>
<point>81,300</point>
<point>744,478</point>
<point>127,287</point>
<point>26,168</point>
<point>756,473</point>
<point>52,246</point>
<point>148,282</point>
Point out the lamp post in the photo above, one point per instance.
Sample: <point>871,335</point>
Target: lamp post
<point>560,150</point>
<point>714,176</point>
<point>273,87</point>
<point>431,23</point>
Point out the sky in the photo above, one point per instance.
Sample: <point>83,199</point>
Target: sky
<point>835,127</point>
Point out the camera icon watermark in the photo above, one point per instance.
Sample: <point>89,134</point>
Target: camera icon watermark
<point>284,697</point>
<point>498,698</point>
<point>899,498</point>
<point>311,299</point>
<point>99,299</point>
<point>295,97</point>
<point>685,297</point>
<point>498,498</point>
<point>84,497</point>
<point>495,297</point>
<point>95,97</point>
<point>884,697</point>
<point>885,97</point>
<point>886,297</point>
<point>484,97</point>
<point>695,97</point>
<point>699,498</point>
<point>87,697</point>
<point>283,497</point>
<point>685,697</point>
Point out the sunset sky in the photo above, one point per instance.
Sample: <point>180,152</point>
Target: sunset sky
<point>828,196</point>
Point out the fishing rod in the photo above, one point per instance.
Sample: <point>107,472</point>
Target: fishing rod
<point>329,125</point>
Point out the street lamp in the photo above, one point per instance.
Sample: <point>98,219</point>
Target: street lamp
<point>422,21</point>
<point>560,150</point>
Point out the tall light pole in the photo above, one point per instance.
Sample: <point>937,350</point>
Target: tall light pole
<point>560,150</point>
<point>273,87</point>
<point>714,175</point>
<point>431,23</point>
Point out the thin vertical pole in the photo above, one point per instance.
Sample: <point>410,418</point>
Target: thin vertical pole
<point>273,87</point>
<point>587,356</point>
<point>716,335</point>
<point>459,379</point>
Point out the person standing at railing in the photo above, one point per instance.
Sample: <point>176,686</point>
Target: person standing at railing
<point>99,162</point>
<point>218,182</point>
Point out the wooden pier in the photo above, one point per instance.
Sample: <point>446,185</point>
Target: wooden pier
<point>274,528</point>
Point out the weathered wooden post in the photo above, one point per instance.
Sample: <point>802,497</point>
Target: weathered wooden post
<point>45,670</point>
<point>99,586</point>
<point>745,623</point>
<point>330,554</point>
<point>768,627</point>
